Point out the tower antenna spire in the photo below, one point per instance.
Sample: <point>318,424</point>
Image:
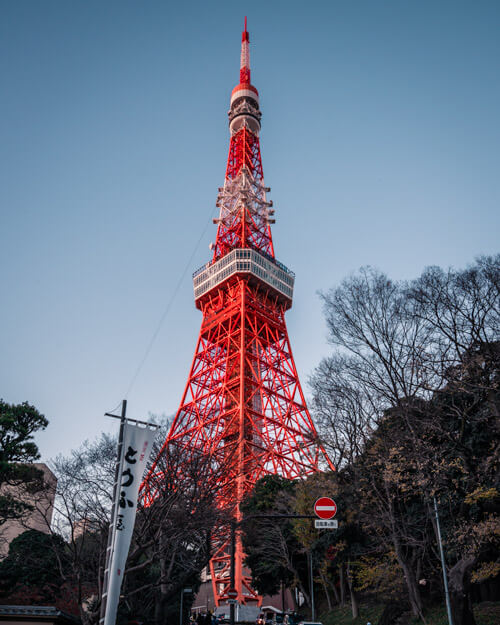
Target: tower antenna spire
<point>245,56</point>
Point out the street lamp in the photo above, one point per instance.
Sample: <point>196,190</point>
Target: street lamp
<point>187,591</point>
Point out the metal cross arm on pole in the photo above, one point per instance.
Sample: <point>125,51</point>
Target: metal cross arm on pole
<point>252,517</point>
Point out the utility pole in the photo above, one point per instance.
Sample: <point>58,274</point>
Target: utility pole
<point>283,600</point>
<point>111,533</point>
<point>443,565</point>
<point>232,567</point>
<point>184,590</point>
<point>311,583</point>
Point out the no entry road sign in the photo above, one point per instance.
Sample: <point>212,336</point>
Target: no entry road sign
<point>232,593</point>
<point>325,508</point>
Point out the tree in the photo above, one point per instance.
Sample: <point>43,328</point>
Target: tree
<point>18,423</point>
<point>31,569</point>
<point>374,370</point>
<point>402,402</point>
<point>175,535</point>
<point>172,537</point>
<point>273,552</point>
<point>81,518</point>
<point>462,312</point>
<point>466,428</point>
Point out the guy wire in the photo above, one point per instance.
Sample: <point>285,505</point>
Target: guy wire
<point>167,308</point>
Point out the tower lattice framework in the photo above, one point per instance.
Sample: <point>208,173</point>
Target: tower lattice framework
<point>243,403</point>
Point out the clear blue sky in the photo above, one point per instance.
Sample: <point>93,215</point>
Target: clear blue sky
<point>380,140</point>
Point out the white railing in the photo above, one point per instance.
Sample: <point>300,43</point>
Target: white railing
<point>244,260</point>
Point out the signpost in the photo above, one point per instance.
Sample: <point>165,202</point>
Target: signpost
<point>325,508</point>
<point>232,593</point>
<point>187,591</point>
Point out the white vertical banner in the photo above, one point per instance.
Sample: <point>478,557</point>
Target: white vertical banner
<point>136,449</point>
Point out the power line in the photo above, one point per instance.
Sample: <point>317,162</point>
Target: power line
<point>167,309</point>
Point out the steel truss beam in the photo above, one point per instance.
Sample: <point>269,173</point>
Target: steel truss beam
<point>243,406</point>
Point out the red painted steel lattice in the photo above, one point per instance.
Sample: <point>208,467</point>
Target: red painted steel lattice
<point>245,229</point>
<point>243,403</point>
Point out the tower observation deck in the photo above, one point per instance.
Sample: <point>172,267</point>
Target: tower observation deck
<point>243,404</point>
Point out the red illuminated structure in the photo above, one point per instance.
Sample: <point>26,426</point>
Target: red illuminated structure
<point>243,400</point>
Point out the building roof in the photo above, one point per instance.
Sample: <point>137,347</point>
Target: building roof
<point>42,613</point>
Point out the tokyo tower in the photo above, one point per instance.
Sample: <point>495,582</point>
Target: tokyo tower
<point>243,403</point>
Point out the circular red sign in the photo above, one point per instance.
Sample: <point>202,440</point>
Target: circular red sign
<point>325,508</point>
<point>232,593</point>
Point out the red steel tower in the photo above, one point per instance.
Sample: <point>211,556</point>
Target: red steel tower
<point>243,403</point>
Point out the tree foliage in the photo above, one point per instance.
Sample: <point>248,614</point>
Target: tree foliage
<point>271,547</point>
<point>18,422</point>
<point>18,476</point>
<point>408,407</point>
<point>32,563</point>
<point>170,544</point>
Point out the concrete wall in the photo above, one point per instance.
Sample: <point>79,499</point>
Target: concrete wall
<point>39,518</point>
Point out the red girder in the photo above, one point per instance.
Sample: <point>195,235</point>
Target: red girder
<point>243,400</point>
<point>243,405</point>
<point>243,229</point>
<point>244,151</point>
